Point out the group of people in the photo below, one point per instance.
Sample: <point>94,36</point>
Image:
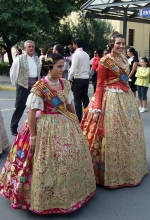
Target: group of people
<point>59,155</point>
<point>139,77</point>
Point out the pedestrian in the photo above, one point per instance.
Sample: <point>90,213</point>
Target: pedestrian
<point>105,52</point>
<point>4,143</point>
<point>94,68</point>
<point>49,168</point>
<point>41,58</point>
<point>79,74</point>
<point>133,62</point>
<point>24,73</point>
<point>112,123</point>
<point>142,82</point>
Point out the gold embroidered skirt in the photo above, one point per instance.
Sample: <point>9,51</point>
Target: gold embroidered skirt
<point>116,142</point>
<point>59,177</point>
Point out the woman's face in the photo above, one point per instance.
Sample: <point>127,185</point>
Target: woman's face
<point>105,53</point>
<point>58,69</point>
<point>95,54</point>
<point>119,45</point>
<point>130,54</point>
<point>143,63</point>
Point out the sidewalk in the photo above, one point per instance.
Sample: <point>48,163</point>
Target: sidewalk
<point>5,83</point>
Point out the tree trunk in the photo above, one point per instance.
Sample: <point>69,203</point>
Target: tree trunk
<point>8,50</point>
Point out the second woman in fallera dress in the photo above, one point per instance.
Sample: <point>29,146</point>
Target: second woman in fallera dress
<point>112,124</point>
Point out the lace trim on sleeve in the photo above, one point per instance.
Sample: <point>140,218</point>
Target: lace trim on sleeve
<point>94,110</point>
<point>35,102</point>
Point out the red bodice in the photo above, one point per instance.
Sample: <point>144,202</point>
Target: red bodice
<point>105,75</point>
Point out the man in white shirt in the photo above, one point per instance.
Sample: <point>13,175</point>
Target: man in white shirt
<point>79,74</point>
<point>25,71</point>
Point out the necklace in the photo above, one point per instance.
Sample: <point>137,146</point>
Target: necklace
<point>52,82</point>
<point>118,59</point>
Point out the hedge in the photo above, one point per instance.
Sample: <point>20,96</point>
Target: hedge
<point>4,69</point>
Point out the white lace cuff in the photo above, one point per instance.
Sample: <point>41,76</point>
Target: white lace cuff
<point>96,110</point>
<point>35,102</point>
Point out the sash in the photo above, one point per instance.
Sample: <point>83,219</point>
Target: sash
<point>54,100</point>
<point>116,69</point>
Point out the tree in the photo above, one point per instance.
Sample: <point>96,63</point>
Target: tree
<point>29,19</point>
<point>94,32</point>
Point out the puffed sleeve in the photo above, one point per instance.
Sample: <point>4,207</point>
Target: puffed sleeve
<point>35,102</point>
<point>102,74</point>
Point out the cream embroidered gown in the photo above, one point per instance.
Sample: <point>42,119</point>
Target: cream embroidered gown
<point>59,177</point>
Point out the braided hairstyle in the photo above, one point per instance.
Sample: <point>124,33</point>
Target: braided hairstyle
<point>49,60</point>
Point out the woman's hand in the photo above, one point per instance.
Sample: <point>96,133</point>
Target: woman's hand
<point>32,144</point>
<point>96,116</point>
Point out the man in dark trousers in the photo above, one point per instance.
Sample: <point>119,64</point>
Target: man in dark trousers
<point>79,74</point>
<point>25,71</point>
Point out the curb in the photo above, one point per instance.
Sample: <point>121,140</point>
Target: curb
<point>7,88</point>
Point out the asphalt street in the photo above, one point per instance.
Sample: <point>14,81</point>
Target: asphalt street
<point>128,203</point>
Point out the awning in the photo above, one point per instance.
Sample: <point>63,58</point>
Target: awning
<point>117,9</point>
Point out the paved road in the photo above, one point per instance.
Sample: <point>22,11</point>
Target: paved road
<point>130,203</point>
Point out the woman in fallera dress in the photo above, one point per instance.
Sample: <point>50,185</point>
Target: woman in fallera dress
<point>112,123</point>
<point>49,168</point>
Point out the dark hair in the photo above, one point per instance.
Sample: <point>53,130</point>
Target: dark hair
<point>112,40</point>
<point>49,61</point>
<point>50,50</point>
<point>105,50</point>
<point>78,41</point>
<point>71,48</point>
<point>146,61</point>
<point>99,52</point>
<point>44,50</point>
<point>59,48</point>
<point>20,51</point>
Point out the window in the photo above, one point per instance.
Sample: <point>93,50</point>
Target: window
<point>131,37</point>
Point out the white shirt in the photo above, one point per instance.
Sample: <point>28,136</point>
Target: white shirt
<point>14,71</point>
<point>80,67</point>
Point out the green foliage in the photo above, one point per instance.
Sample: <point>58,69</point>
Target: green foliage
<point>4,69</point>
<point>94,32</point>
<point>31,19</point>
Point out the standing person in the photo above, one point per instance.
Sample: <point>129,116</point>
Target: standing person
<point>41,58</point>
<point>105,52</point>
<point>133,62</point>
<point>142,83</point>
<point>112,124</point>
<point>50,168</point>
<point>79,70</point>
<point>95,61</point>
<point>4,143</point>
<point>24,73</point>
<point>43,54</point>
<point>58,48</point>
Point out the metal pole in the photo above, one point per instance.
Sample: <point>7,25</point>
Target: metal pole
<point>125,23</point>
<point>149,45</point>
